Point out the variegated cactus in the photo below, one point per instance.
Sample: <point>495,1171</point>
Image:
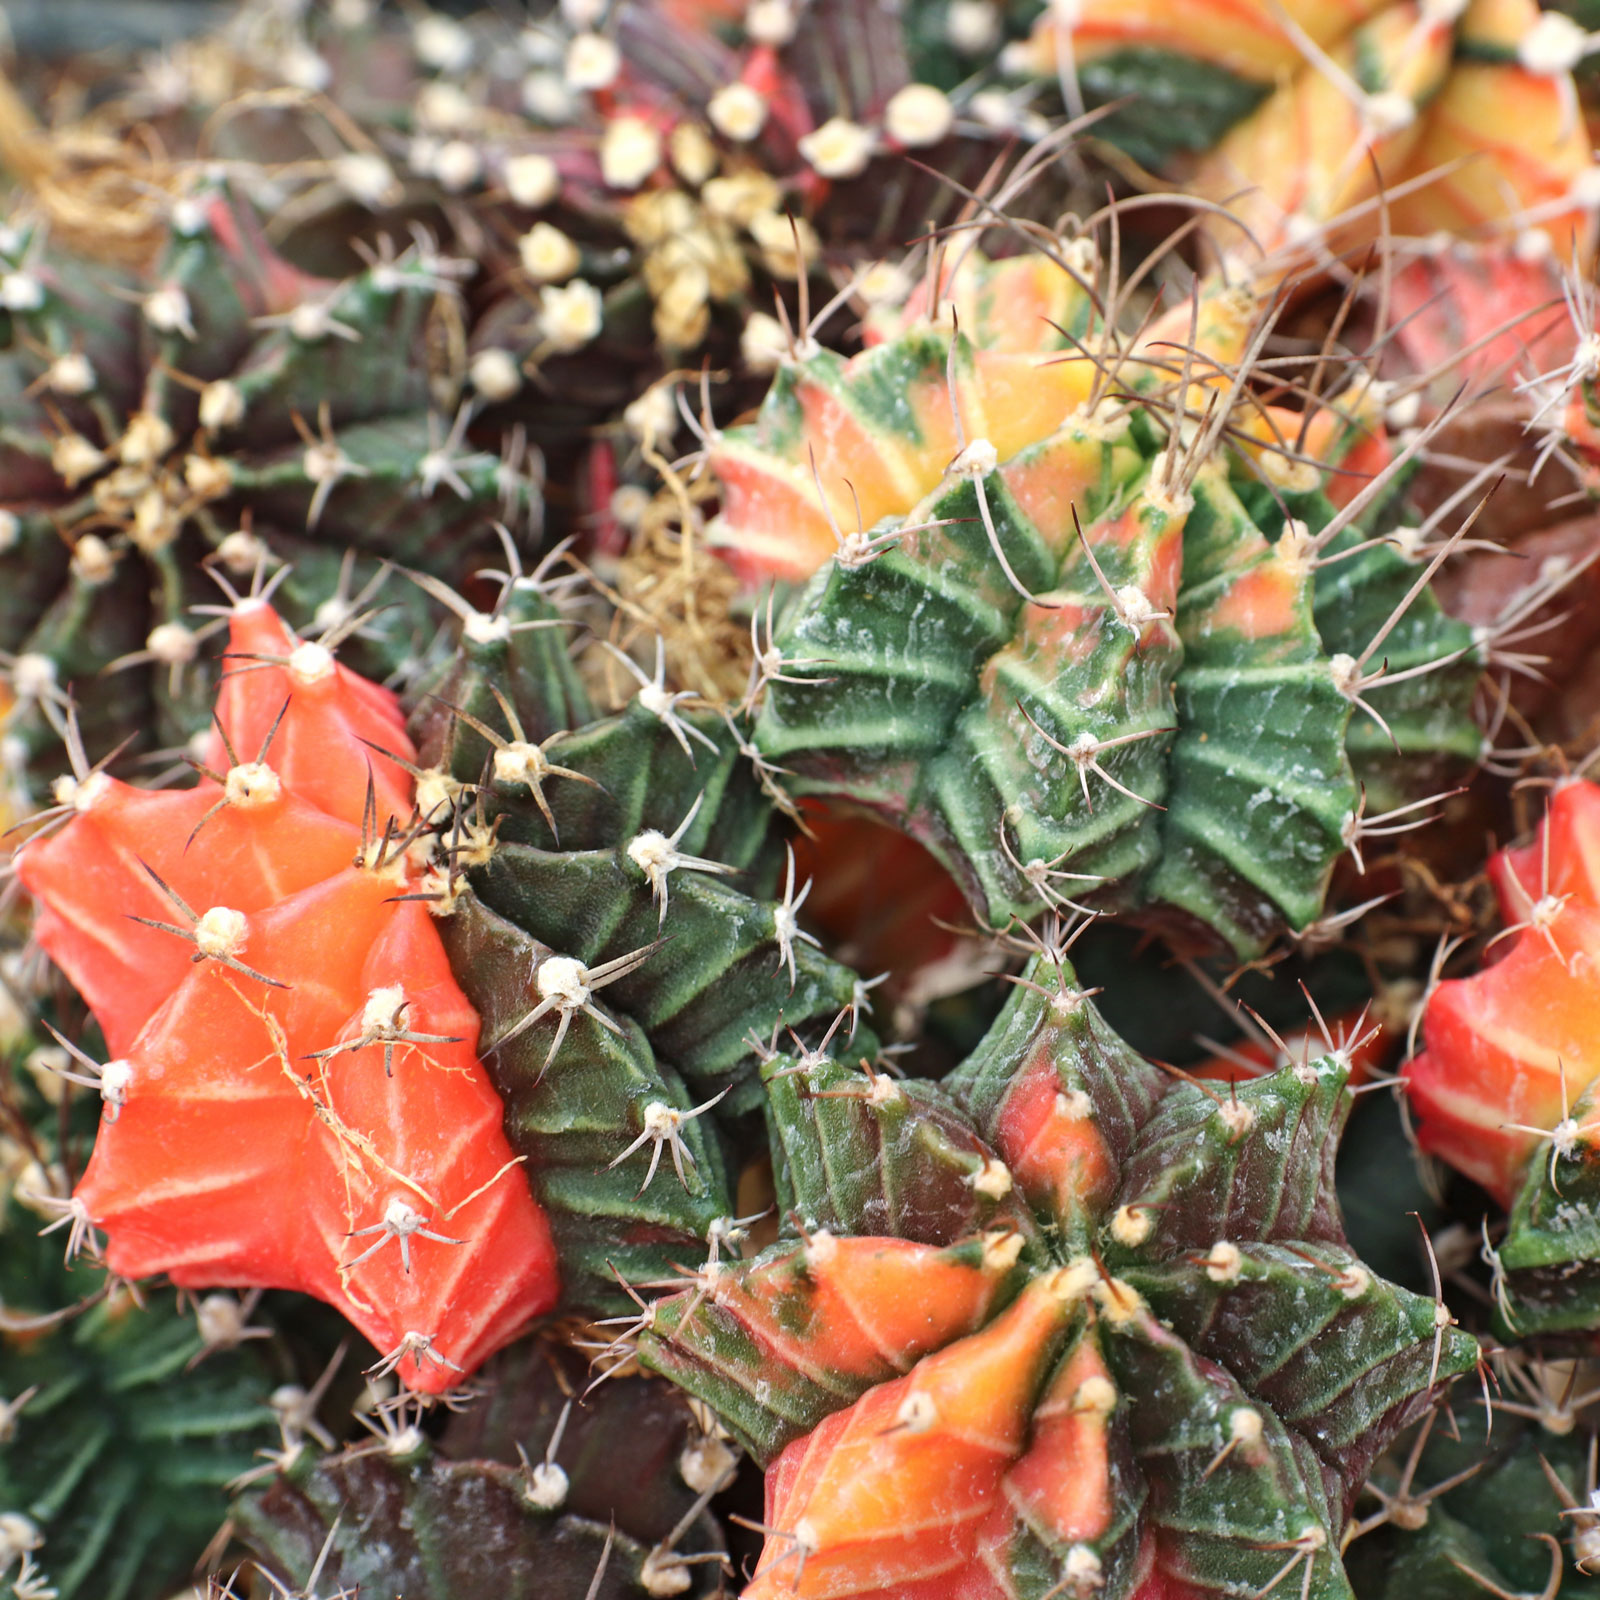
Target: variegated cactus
<point>1060,1324</point>
<point>1504,1086</point>
<point>1072,645</point>
<point>1461,114</point>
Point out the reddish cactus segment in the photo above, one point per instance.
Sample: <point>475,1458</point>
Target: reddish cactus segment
<point>301,1105</point>
<point>324,747</point>
<point>1511,1051</point>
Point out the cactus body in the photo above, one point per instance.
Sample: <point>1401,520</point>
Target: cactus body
<point>1106,1322</point>
<point>1171,712</point>
<point>1505,1083</point>
<point>1304,114</point>
<point>135,436</point>
<point>296,1099</point>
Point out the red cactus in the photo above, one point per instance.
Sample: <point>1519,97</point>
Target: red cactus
<point>297,1101</point>
<point>1511,1051</point>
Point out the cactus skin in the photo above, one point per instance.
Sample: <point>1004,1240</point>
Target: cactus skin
<point>1037,1297</point>
<point>453,1521</point>
<point>1493,1527</point>
<point>1504,1086</point>
<point>405,1117</point>
<point>1228,757</point>
<point>113,496</point>
<point>120,1455</point>
<point>1290,149</point>
<point>571,883</point>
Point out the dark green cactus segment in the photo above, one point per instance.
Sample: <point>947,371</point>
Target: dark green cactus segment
<point>1074,671</point>
<point>859,1153</point>
<point>571,1114</point>
<point>1223,1520</point>
<point>1431,738</point>
<point>720,979</point>
<point>1548,1271</point>
<point>430,1529</point>
<point>635,776</point>
<point>523,654</point>
<point>1249,1161</point>
<point>120,1454</point>
<point>733,967</point>
<point>1261,783</point>
<point>1490,1505</point>
<point>1309,1332</point>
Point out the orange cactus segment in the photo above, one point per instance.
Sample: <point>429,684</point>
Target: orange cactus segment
<point>1242,36</point>
<point>1049,1141</point>
<point>91,882</point>
<point>183,1188</point>
<point>888,476</point>
<point>1502,141</point>
<point>894,1491</point>
<point>1016,399</point>
<point>1570,865</point>
<point>1063,1486</point>
<point>1017,305</point>
<point>323,747</point>
<point>1261,605</point>
<point>434,1223</point>
<point>867,1308</point>
<point>772,521</point>
<point>1511,1050</point>
<point>1050,479</point>
<point>1311,148</point>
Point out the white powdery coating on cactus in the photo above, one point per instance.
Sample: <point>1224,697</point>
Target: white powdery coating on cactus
<point>1552,46</point>
<point>971,26</point>
<point>1224,1262</point>
<point>629,152</point>
<point>548,255</point>
<point>442,43</point>
<point>10,531</point>
<point>382,1012</point>
<point>564,980</point>
<point>310,663</point>
<point>570,315</point>
<point>992,1179</point>
<point>770,21</point>
<point>367,178</point>
<point>918,115</point>
<point>495,375</point>
<point>547,1487</point>
<point>93,560</point>
<point>252,785</point>
<point>593,62</point>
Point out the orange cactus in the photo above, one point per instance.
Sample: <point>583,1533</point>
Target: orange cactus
<point>295,1099</point>
<point>1510,1053</point>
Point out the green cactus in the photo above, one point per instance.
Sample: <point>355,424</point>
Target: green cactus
<point>222,409</point>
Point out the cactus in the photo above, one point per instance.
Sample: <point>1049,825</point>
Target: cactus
<point>1505,1508</point>
<point>1104,1319</point>
<point>122,1418</point>
<point>282,1017</point>
<point>1057,654</point>
<point>1465,112</point>
<point>1504,1084</point>
<point>222,407</point>
<point>600,1505</point>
